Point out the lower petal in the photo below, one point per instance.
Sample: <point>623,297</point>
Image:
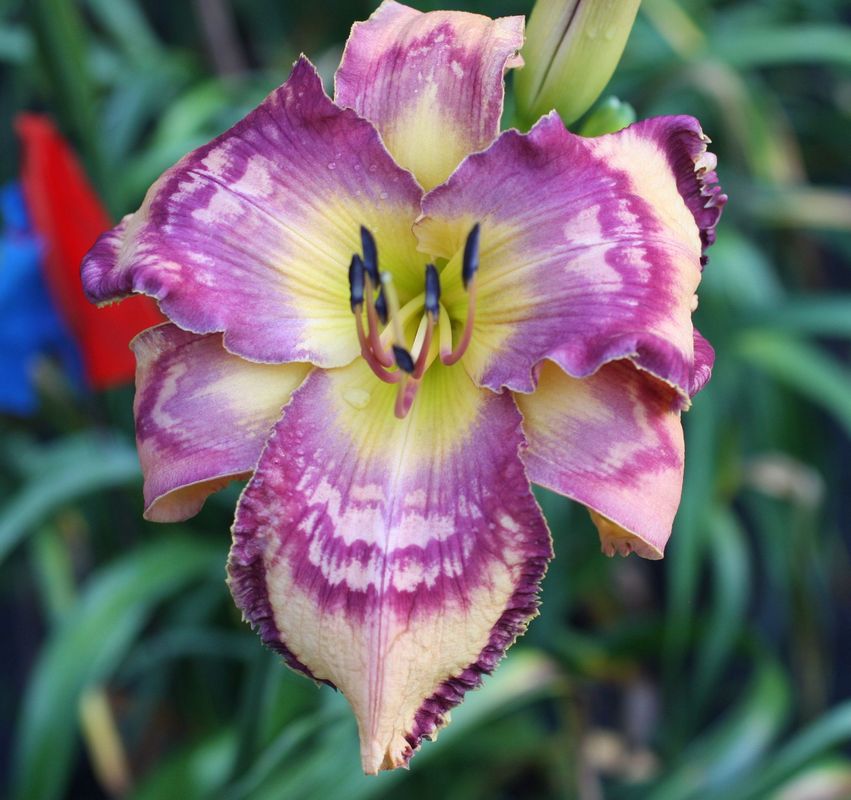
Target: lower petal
<point>396,560</point>
<point>613,443</point>
<point>202,416</point>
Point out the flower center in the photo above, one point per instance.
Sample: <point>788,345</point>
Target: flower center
<point>387,351</point>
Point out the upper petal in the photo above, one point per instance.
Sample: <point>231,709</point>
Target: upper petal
<point>431,83</point>
<point>202,416</point>
<point>613,443</point>
<point>590,248</point>
<point>394,559</point>
<point>252,234</point>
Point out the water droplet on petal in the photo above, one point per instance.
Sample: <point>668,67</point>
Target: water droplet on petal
<point>383,195</point>
<point>332,165</point>
<point>373,167</point>
<point>357,398</point>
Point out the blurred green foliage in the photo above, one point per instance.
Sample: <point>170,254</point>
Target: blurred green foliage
<point>721,672</point>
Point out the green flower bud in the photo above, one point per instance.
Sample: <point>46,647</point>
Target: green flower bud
<point>609,116</point>
<point>572,49</point>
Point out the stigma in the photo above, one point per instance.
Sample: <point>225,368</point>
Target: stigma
<point>382,335</point>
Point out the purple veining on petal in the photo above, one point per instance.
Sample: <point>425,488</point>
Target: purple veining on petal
<point>522,607</point>
<point>431,83</point>
<point>252,233</point>
<point>612,442</point>
<point>697,179</point>
<point>392,537</point>
<point>704,359</point>
<point>202,416</point>
<point>590,251</point>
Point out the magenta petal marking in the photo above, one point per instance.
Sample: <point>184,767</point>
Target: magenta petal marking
<point>704,359</point>
<point>613,443</point>
<point>252,233</point>
<point>591,248</point>
<point>393,559</point>
<point>431,83</point>
<point>202,416</point>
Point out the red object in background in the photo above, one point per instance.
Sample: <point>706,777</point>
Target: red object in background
<point>68,216</point>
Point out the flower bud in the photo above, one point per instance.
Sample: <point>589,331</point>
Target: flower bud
<point>572,49</point>
<point>608,117</point>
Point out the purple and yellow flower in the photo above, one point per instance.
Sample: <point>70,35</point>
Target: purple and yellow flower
<point>522,312</point>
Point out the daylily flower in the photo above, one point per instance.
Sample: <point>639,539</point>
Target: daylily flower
<point>537,291</point>
<point>68,217</point>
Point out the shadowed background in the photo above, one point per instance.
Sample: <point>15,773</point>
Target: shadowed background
<point>720,672</point>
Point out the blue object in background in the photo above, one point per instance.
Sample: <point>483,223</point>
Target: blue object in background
<point>30,328</point>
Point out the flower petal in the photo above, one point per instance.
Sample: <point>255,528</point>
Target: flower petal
<point>704,359</point>
<point>252,234</point>
<point>431,83</point>
<point>202,416</point>
<point>396,560</point>
<point>590,249</point>
<point>613,443</point>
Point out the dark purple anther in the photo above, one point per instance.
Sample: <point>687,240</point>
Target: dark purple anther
<point>381,306</point>
<point>471,256</point>
<point>404,360</point>
<point>370,254</point>
<point>432,290</point>
<point>356,282</point>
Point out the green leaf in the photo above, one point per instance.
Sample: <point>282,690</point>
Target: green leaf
<point>71,468</point>
<point>729,561</point>
<point>802,367</point>
<point>749,47</point>
<point>128,28</point>
<point>827,315</point>
<point>608,117</point>
<point>732,745</point>
<point>87,647</point>
<point>63,51</point>
<point>830,731</point>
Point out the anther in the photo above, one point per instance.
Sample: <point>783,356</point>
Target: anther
<point>432,290</point>
<point>470,264</point>
<point>381,306</point>
<point>370,254</point>
<point>356,276</point>
<point>404,360</point>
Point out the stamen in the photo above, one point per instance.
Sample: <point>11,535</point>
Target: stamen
<point>469,269</point>
<point>358,282</point>
<point>370,254</point>
<point>374,314</point>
